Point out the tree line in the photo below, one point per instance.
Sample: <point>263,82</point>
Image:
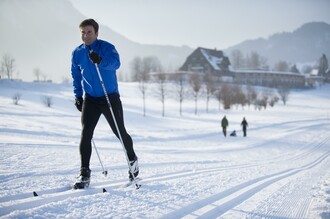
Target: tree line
<point>238,61</point>
<point>253,60</point>
<point>9,68</point>
<point>182,86</point>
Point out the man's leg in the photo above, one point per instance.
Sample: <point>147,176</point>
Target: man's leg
<point>89,118</point>
<point>118,113</point>
<point>127,140</point>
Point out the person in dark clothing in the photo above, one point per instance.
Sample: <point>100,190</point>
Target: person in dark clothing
<point>224,124</point>
<point>86,81</point>
<point>244,124</point>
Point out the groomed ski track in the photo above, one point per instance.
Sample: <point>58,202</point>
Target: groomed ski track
<point>188,168</point>
<point>279,203</point>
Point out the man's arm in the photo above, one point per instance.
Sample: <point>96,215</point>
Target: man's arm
<point>110,58</point>
<point>76,78</point>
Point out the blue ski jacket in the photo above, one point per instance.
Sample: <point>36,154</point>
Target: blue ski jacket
<point>84,73</point>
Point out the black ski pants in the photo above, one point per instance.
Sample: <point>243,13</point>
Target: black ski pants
<point>224,130</point>
<point>91,112</point>
<point>244,131</point>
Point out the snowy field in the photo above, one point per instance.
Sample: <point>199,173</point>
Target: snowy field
<point>188,168</point>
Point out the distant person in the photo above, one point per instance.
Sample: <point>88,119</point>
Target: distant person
<point>224,124</point>
<point>90,98</point>
<point>244,124</point>
<point>233,134</point>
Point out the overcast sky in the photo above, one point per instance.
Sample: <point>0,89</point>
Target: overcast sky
<point>207,23</point>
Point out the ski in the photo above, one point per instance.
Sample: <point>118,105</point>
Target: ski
<point>91,190</point>
<point>133,182</point>
<point>81,186</point>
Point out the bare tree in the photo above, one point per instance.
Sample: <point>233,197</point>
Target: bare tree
<point>284,92</point>
<point>273,99</point>
<point>238,97</point>
<point>196,85</point>
<point>251,95</point>
<point>210,88</point>
<point>151,64</point>
<point>37,73</point>
<point>143,80</point>
<point>44,76</point>
<point>142,76</point>
<point>264,97</point>
<point>226,96</point>
<point>237,59</point>
<point>218,96</point>
<point>136,67</point>
<point>180,89</point>
<point>254,60</point>
<point>258,104</point>
<point>161,82</point>
<point>8,66</point>
<point>142,71</point>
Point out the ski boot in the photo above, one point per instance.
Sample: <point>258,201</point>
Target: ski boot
<point>134,168</point>
<point>84,179</point>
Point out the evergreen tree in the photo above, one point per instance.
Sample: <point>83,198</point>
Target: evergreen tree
<point>294,69</point>
<point>323,66</point>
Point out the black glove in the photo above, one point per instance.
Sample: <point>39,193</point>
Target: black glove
<point>78,103</point>
<point>95,58</point>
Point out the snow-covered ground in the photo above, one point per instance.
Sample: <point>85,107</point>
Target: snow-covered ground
<point>188,168</point>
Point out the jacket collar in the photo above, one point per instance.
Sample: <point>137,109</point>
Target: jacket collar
<point>93,46</point>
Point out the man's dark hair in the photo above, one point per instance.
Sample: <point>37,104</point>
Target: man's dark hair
<point>90,22</point>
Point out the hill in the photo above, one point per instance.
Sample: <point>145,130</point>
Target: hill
<point>305,44</point>
<point>42,34</point>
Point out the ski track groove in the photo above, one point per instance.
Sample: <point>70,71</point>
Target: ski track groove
<point>65,192</point>
<point>27,200</point>
<point>295,194</point>
<point>218,204</point>
<point>215,204</point>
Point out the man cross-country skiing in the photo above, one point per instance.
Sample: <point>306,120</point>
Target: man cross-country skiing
<point>90,97</point>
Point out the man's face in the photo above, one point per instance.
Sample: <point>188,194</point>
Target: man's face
<point>88,35</point>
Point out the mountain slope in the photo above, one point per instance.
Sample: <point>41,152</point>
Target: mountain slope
<point>305,44</point>
<point>42,34</point>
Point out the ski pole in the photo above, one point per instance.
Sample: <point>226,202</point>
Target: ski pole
<point>116,125</point>
<point>105,172</point>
